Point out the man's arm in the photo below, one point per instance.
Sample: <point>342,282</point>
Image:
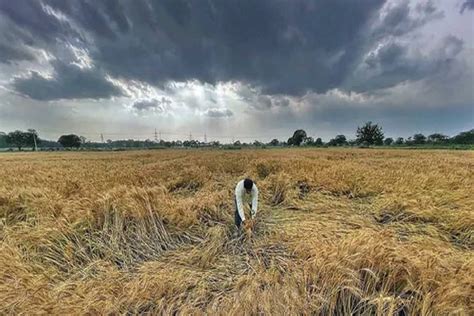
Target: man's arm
<point>238,200</point>
<point>254,200</point>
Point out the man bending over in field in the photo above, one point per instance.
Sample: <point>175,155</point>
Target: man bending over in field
<point>245,192</point>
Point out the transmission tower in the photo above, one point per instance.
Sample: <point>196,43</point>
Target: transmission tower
<point>34,139</point>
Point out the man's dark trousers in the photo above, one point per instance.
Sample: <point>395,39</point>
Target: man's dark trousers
<point>238,220</point>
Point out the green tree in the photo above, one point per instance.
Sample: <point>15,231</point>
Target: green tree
<point>3,140</point>
<point>437,138</point>
<point>464,138</point>
<point>298,137</point>
<point>274,142</point>
<point>339,140</point>
<point>419,139</point>
<point>70,141</point>
<point>22,139</point>
<point>388,141</point>
<point>352,142</point>
<point>318,142</point>
<point>308,141</point>
<point>399,141</point>
<point>370,133</point>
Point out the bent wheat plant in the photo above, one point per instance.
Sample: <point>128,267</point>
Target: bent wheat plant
<point>338,232</point>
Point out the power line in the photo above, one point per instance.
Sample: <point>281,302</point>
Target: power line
<point>155,134</point>
<point>168,133</point>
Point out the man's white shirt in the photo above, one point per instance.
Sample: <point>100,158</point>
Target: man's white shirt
<point>241,197</point>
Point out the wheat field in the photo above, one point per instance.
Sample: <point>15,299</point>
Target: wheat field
<point>338,232</point>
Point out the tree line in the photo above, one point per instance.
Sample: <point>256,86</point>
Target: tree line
<point>369,134</point>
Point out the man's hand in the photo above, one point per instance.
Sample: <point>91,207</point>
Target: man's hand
<point>248,227</point>
<point>248,224</point>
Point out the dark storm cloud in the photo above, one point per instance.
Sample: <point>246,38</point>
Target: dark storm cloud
<point>69,82</point>
<point>116,14</point>
<point>280,46</point>
<point>38,25</point>
<point>218,113</point>
<point>392,63</point>
<point>401,18</point>
<point>388,54</point>
<point>467,5</point>
<point>14,42</point>
<point>9,53</point>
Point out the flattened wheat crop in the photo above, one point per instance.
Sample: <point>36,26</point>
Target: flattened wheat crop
<point>339,232</point>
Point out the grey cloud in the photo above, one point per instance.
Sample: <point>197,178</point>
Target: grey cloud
<point>278,52</point>
<point>280,46</point>
<point>396,19</point>
<point>265,102</point>
<point>31,16</point>
<point>392,63</point>
<point>218,113</point>
<point>282,102</point>
<point>103,19</point>
<point>152,105</point>
<point>93,20</point>
<point>9,53</point>
<point>386,55</point>
<point>116,13</point>
<point>426,8</point>
<point>259,101</point>
<point>400,19</point>
<point>400,111</point>
<point>69,82</point>
<point>450,47</point>
<point>13,42</point>
<point>467,5</point>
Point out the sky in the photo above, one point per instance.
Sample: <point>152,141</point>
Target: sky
<point>235,69</point>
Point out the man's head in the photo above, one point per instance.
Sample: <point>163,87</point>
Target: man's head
<point>248,184</point>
